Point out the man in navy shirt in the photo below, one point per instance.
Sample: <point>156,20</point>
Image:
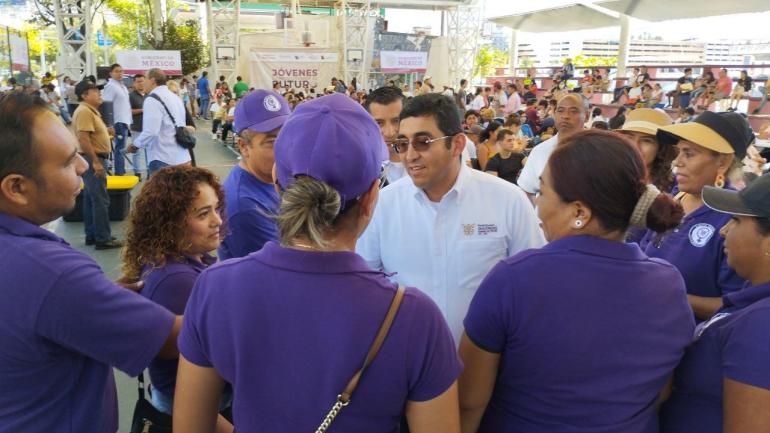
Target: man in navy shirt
<point>65,324</point>
<point>250,196</point>
<point>205,95</point>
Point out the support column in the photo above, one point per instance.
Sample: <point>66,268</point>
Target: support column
<point>514,61</point>
<point>158,18</point>
<point>625,41</point>
<point>357,36</point>
<point>223,21</point>
<point>73,27</point>
<point>463,28</point>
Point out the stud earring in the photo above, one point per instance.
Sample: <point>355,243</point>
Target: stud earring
<point>578,224</point>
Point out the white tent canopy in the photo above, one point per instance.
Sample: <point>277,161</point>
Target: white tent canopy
<point>653,10</point>
<point>561,19</point>
<point>608,13</point>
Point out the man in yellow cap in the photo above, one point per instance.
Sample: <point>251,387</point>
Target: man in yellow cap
<point>640,127</point>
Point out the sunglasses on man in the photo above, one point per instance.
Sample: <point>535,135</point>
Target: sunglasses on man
<point>420,143</point>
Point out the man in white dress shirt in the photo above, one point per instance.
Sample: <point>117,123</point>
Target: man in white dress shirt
<point>571,115</point>
<point>385,105</point>
<point>117,93</point>
<point>445,225</point>
<point>158,130</point>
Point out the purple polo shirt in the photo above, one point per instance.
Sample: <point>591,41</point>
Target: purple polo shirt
<point>170,286</point>
<point>734,344</point>
<point>589,331</point>
<point>697,250</point>
<point>249,203</point>
<point>289,328</point>
<point>64,326</point>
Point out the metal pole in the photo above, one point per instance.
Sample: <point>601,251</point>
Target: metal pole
<point>43,63</point>
<point>625,40</point>
<point>10,50</point>
<point>344,9</point>
<point>212,40</point>
<point>514,61</point>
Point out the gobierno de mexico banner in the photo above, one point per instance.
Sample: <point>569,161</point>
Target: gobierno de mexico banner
<point>141,61</point>
<point>403,62</point>
<point>299,71</point>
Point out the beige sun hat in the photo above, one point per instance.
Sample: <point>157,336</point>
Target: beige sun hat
<point>646,120</point>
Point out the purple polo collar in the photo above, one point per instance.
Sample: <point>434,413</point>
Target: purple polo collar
<point>746,296</point>
<point>593,245</point>
<point>16,226</point>
<point>337,262</point>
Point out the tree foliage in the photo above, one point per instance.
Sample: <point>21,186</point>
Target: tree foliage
<point>134,31</point>
<point>487,59</point>
<point>590,62</point>
<point>185,38</point>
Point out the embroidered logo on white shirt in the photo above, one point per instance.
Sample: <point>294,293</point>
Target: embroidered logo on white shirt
<point>485,229</point>
<point>468,229</point>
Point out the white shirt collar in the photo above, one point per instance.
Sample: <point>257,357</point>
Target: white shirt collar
<point>457,188</point>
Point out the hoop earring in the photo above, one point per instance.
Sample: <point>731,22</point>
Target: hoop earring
<point>578,224</point>
<point>720,182</point>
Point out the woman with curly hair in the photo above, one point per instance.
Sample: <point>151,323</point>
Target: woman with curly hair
<point>176,221</point>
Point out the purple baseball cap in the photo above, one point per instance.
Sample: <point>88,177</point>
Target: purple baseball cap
<point>332,139</point>
<point>261,111</point>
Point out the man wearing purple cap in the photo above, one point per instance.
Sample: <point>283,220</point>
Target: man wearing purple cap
<point>250,196</point>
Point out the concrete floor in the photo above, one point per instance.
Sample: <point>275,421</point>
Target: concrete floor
<point>209,154</point>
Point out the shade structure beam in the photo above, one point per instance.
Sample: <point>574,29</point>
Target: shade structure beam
<point>357,22</point>
<point>223,19</point>
<point>73,27</point>
<point>463,27</point>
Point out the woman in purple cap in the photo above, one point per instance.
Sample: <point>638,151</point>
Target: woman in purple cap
<point>582,334</point>
<point>290,325</point>
<point>175,223</point>
<point>710,148</point>
<point>723,382</point>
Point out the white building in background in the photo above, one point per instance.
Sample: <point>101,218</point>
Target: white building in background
<point>752,51</point>
<point>722,53</point>
<point>650,51</point>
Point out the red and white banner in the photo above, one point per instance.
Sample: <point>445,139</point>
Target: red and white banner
<point>403,62</point>
<point>141,61</point>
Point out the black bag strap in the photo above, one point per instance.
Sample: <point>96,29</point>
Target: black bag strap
<point>157,98</point>
<point>140,379</point>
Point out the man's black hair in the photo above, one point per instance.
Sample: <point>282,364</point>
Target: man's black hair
<point>205,73</point>
<point>384,96</point>
<point>686,70</point>
<point>470,112</point>
<point>463,81</point>
<point>221,78</point>
<point>440,107</point>
<point>238,78</point>
<point>84,86</point>
<point>114,65</point>
<point>17,149</point>
<point>141,76</point>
